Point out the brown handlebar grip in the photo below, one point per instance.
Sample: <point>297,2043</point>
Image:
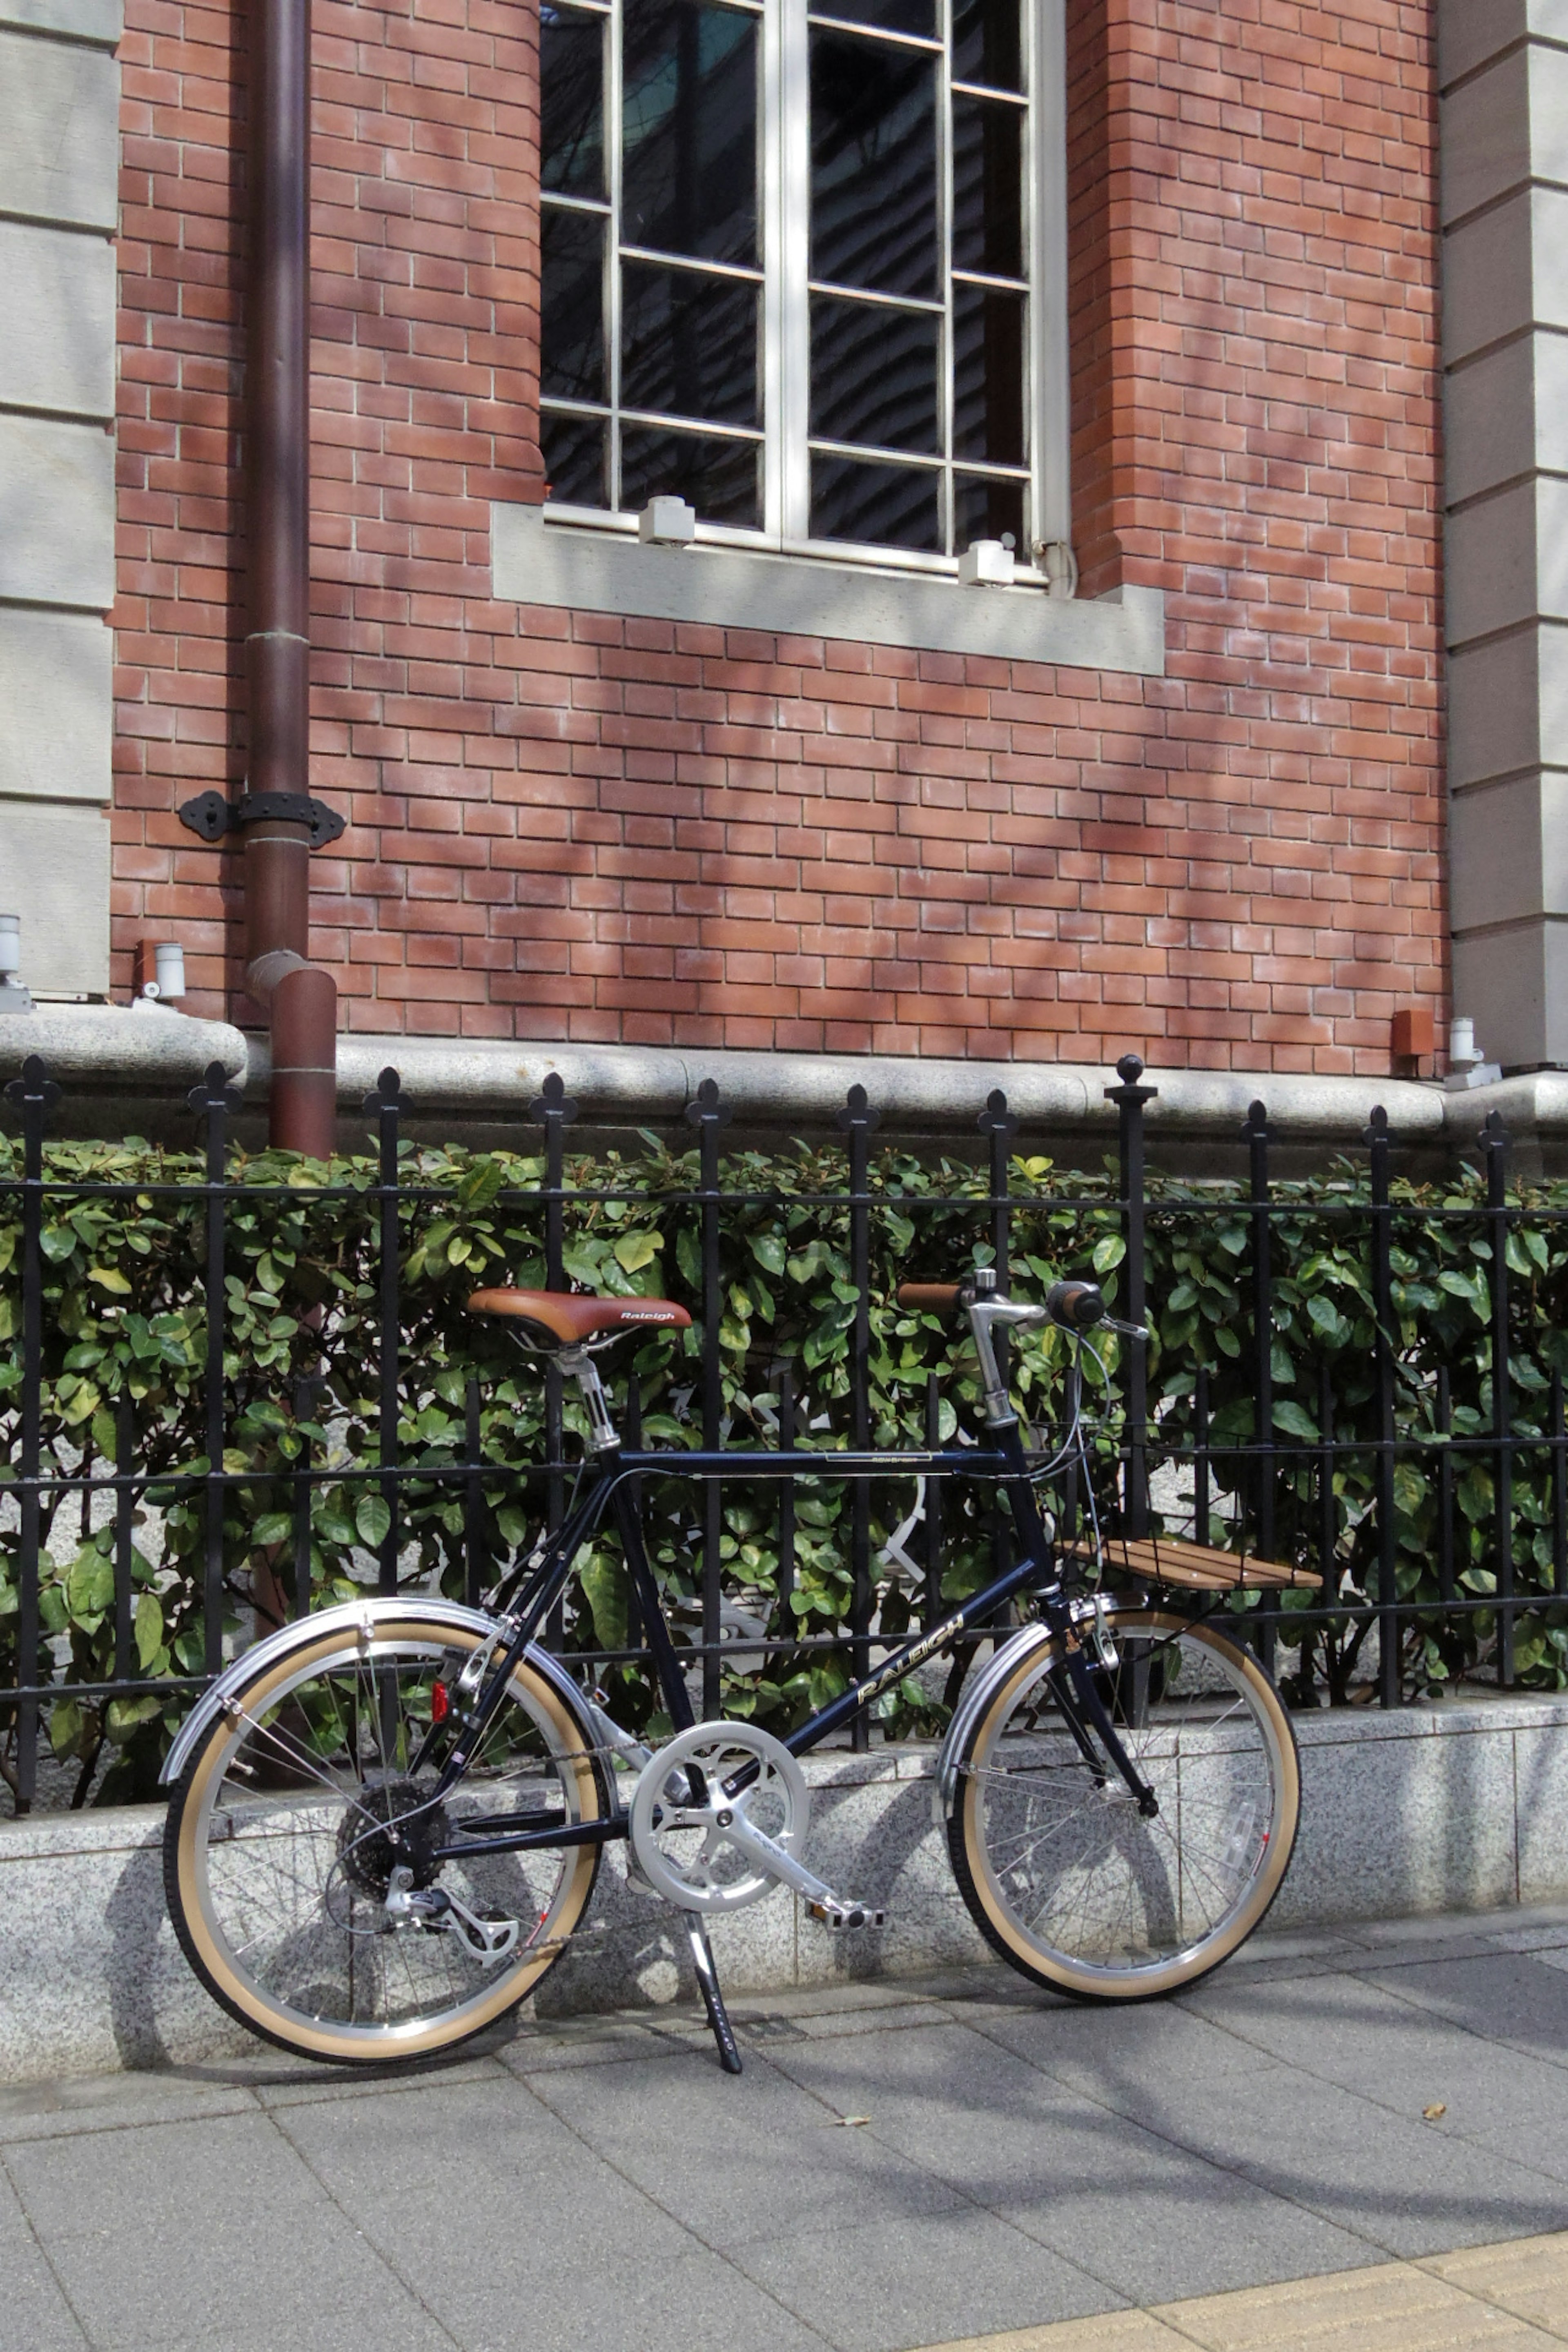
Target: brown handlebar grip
<point>930,1298</point>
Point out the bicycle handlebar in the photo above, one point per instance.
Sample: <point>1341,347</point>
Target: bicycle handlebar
<point>930,1298</point>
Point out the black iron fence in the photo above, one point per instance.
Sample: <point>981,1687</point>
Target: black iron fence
<point>247,1388</point>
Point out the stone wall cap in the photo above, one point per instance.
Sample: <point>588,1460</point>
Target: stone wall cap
<point>658,1082</point>
<point>107,1047</point>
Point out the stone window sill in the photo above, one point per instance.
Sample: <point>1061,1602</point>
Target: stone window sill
<point>564,566</point>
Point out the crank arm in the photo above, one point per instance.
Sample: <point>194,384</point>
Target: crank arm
<point>821,1900</point>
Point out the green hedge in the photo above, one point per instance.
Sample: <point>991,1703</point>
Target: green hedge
<point>125,1316</point>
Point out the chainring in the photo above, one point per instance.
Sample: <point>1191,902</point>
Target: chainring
<point>685,1804</point>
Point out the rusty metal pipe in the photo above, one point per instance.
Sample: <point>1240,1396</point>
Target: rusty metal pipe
<point>300,998</point>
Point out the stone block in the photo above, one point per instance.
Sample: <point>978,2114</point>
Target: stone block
<point>1541,1799</point>
<point>97,21</point>
<point>1485,137</point>
<point>1398,1816</point>
<point>1489,421</point>
<point>1509,852</point>
<point>1491,571</point>
<point>54,873</point>
<point>1504,270</point>
<point>59,131</point>
<point>1468,35</point>
<point>58,351</point>
<point>1500,981</point>
<point>56,512</point>
<point>1494,696</point>
<point>56,706</point>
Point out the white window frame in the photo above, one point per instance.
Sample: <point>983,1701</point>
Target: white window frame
<point>783,243</point>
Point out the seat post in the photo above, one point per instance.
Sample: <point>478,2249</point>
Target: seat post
<point>602,1434</point>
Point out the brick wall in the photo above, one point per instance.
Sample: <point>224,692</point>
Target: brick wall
<point>575,825</point>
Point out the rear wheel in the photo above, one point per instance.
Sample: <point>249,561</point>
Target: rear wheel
<point>310,1790</point>
<point>1062,1873</point>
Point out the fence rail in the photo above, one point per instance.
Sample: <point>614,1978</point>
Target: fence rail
<point>1327,1481</point>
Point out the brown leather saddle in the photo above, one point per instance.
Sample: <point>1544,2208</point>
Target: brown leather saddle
<point>570,1320</point>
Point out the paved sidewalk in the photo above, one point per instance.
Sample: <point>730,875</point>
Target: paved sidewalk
<point>904,2164</point>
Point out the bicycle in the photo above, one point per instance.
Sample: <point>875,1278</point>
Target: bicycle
<point>386,1819</point>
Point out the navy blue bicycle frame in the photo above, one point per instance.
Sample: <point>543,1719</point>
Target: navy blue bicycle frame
<point>544,1578</point>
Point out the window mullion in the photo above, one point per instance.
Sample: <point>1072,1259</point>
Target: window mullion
<point>1048,410</point>
<point>789,509</point>
<point>613,124</point>
<point>944,231</point>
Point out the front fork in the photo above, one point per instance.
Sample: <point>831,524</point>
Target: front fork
<point>1071,1681</point>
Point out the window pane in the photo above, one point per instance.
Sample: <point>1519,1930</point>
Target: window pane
<point>874,374</point>
<point>881,506</point>
<point>987,510</point>
<point>571,111</point>
<point>688,344</point>
<point>719,477</point>
<point>988,186</point>
<point>893,15</point>
<point>873,165</point>
<point>574,459</point>
<point>987,375</point>
<point>690,117</point>
<point>572,321</point>
<point>985,43</point>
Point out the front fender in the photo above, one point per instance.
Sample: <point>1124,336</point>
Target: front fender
<point>970,1706</point>
<point>373,1609</point>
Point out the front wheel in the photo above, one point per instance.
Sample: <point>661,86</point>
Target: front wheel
<point>1062,1873</point>
<point>310,1789</point>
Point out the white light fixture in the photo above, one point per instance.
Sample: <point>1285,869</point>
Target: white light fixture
<point>987,563</point>
<point>667,522</point>
<point>1462,1047</point>
<point>14,997</point>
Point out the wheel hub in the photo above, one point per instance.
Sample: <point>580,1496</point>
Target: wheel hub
<point>392,1826</point>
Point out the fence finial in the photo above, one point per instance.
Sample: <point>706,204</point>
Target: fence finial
<point>215,1093</point>
<point>707,1105</point>
<point>385,1095</point>
<point>34,1085</point>
<point>552,1101</point>
<point>857,1112</point>
<point>996,1119</point>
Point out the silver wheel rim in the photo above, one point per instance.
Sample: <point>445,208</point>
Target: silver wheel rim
<point>1107,1900</point>
<point>306,1948</point>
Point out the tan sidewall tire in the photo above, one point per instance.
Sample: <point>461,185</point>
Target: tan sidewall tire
<point>978,1885</point>
<point>184,1848</point>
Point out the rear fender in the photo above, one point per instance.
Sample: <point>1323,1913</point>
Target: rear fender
<point>355,1616</point>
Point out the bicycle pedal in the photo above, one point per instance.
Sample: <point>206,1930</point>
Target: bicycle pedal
<point>837,1916</point>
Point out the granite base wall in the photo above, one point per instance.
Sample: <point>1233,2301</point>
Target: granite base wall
<point>1448,1807</point>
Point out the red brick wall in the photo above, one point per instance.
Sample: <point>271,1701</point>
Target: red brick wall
<point>602,829</point>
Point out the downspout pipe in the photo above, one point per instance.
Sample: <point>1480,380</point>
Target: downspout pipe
<point>301,997</point>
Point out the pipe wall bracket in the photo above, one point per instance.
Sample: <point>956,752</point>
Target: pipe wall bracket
<point>211,816</point>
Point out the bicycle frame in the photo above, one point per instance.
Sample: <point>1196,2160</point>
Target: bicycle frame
<point>544,1577</point>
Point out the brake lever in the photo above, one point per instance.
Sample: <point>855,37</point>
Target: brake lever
<point>1128,1330</point>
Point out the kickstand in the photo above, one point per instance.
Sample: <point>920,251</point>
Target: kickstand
<point>712,1997</point>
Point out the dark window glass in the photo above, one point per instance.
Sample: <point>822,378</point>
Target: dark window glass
<point>571,320</point>
<point>688,344</point>
<point>571,107</point>
<point>988,186</point>
<point>689,173</point>
<point>876,505</point>
<point>717,478</point>
<point>893,15</point>
<point>873,165</point>
<point>874,374</point>
<point>987,375</point>
<point>574,459</point>
<point>985,43</point>
<point>987,510</point>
